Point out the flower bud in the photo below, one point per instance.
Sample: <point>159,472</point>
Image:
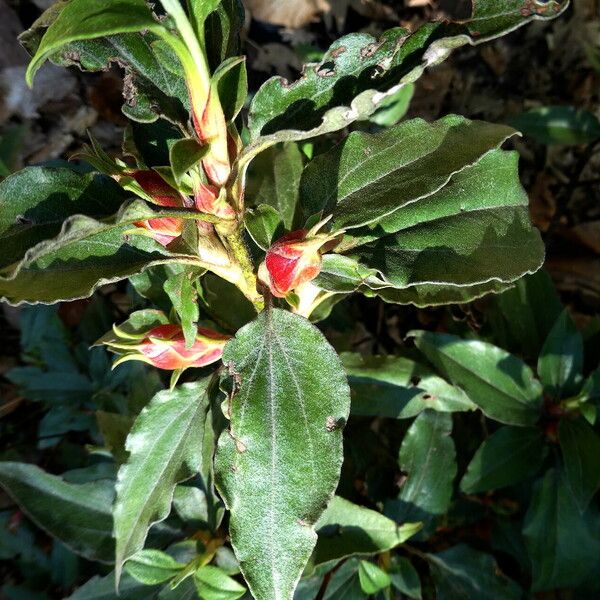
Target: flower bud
<point>291,261</point>
<point>163,230</point>
<point>158,190</point>
<point>164,347</point>
<point>208,200</point>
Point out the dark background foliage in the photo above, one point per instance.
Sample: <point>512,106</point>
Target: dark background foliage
<point>63,409</point>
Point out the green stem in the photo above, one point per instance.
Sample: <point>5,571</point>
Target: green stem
<point>240,253</point>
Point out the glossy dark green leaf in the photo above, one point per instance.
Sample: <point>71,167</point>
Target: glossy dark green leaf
<point>561,360</point>
<point>428,460</point>
<point>275,180</point>
<point>152,567</point>
<point>165,447</point>
<point>461,572</point>
<point>344,583</point>
<point>279,462</point>
<point>371,176</point>
<point>213,583</point>
<point>502,385</point>
<point>580,446</point>
<point>77,515</point>
<point>562,546</point>
<point>558,125</point>
<point>346,529</point>
<point>508,456</point>
<point>405,577</point>
<point>372,578</point>
<point>398,387</point>
<point>103,588</point>
<point>528,312</point>
<point>83,20</point>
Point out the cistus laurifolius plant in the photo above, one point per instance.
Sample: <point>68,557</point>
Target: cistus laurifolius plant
<point>417,213</point>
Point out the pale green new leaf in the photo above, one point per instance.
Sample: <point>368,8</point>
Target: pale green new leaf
<point>213,583</point>
<point>502,385</point>
<point>372,579</point>
<point>165,447</point>
<point>77,515</point>
<point>346,529</point>
<point>278,464</point>
<point>152,567</point>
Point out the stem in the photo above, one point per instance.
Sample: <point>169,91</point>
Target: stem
<point>240,252</point>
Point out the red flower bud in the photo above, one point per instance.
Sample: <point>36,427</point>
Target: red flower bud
<point>164,347</point>
<point>291,261</point>
<point>163,230</point>
<point>157,188</point>
<point>207,200</point>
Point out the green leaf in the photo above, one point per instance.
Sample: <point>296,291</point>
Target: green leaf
<point>278,464</point>
<point>103,588</point>
<point>182,293</point>
<point>165,447</point>
<point>231,80</point>
<point>198,11</point>
<point>558,125</point>
<point>461,572</point>
<point>371,176</point>
<point>222,31</point>
<point>454,245</point>
<point>152,567</point>
<point>394,108</point>
<point>562,547</point>
<point>528,312</point>
<point>508,456</point>
<point>77,515</point>
<point>358,72</point>
<point>561,360</point>
<point>502,385</point>
<point>580,446</point>
<point>263,224</point>
<point>84,20</point>
<point>372,578</point>
<point>114,429</point>
<point>213,583</point>
<point>275,180</point>
<point>399,388</point>
<point>184,155</point>
<point>88,253</point>
<point>428,458</point>
<point>405,577</point>
<point>346,529</point>
<point>36,201</point>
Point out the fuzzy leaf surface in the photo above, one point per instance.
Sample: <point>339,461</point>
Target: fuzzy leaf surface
<point>502,385</point>
<point>470,236</point>
<point>77,515</point>
<point>278,464</point>
<point>85,20</point>
<point>165,447</point>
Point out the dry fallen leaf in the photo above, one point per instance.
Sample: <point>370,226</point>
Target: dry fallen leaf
<point>289,13</point>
